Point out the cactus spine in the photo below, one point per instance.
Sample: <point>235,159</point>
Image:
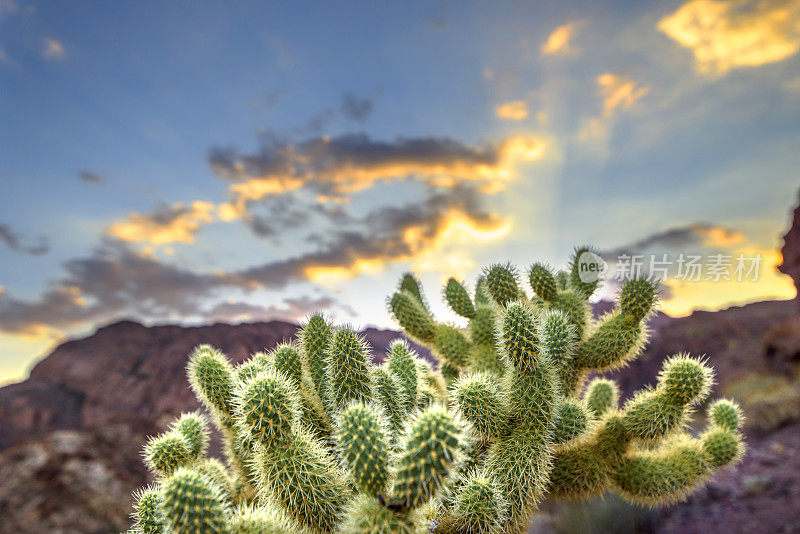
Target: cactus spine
<point>320,439</point>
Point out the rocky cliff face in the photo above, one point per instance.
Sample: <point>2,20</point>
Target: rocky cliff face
<point>791,250</point>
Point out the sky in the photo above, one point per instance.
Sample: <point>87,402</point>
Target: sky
<point>194,162</point>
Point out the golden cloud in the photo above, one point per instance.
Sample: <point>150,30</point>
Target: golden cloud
<point>619,92</point>
<point>175,224</point>
<point>559,41</point>
<point>730,34</point>
<point>515,110</point>
<point>423,239</point>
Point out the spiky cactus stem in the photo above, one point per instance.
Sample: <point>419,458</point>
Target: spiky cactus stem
<point>318,439</point>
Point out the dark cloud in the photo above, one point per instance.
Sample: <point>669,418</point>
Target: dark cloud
<point>696,235</point>
<point>354,108</point>
<point>89,177</point>
<point>354,160</point>
<point>13,241</point>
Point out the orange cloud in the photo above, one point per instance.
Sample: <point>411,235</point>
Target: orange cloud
<point>730,34</point>
<point>619,92</point>
<point>176,224</point>
<point>559,41</point>
<point>515,110</point>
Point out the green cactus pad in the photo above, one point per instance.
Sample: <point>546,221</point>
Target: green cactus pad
<point>212,379</point>
<point>148,514</point>
<point>501,283</point>
<point>602,395</point>
<point>194,429</point>
<point>364,446</point>
<point>193,504</point>
<point>165,453</point>
<point>412,316</point>
<point>429,450</point>
<point>315,337</point>
<point>458,299</point>
<point>287,360</point>
<point>480,401</point>
<point>348,363</point>
<point>637,298</point>
<point>726,414</point>
<point>479,505</point>
<point>685,380</point>
<point>518,335</point>
<point>266,408</point>
<point>543,282</point>
<point>403,366</point>
<point>452,345</point>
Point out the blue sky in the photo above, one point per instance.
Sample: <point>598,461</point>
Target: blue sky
<point>199,161</point>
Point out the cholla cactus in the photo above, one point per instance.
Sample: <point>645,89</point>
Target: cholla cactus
<point>319,439</point>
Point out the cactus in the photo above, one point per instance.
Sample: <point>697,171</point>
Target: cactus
<point>319,439</point>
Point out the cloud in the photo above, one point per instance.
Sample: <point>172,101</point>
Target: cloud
<point>7,7</point>
<point>347,164</point>
<point>52,49</point>
<point>731,34</point>
<point>681,238</point>
<point>117,281</point>
<point>559,41</point>
<point>13,241</point>
<point>619,92</point>
<point>3,55</point>
<point>515,110</point>
<point>89,177</point>
<point>354,108</point>
<point>177,223</point>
